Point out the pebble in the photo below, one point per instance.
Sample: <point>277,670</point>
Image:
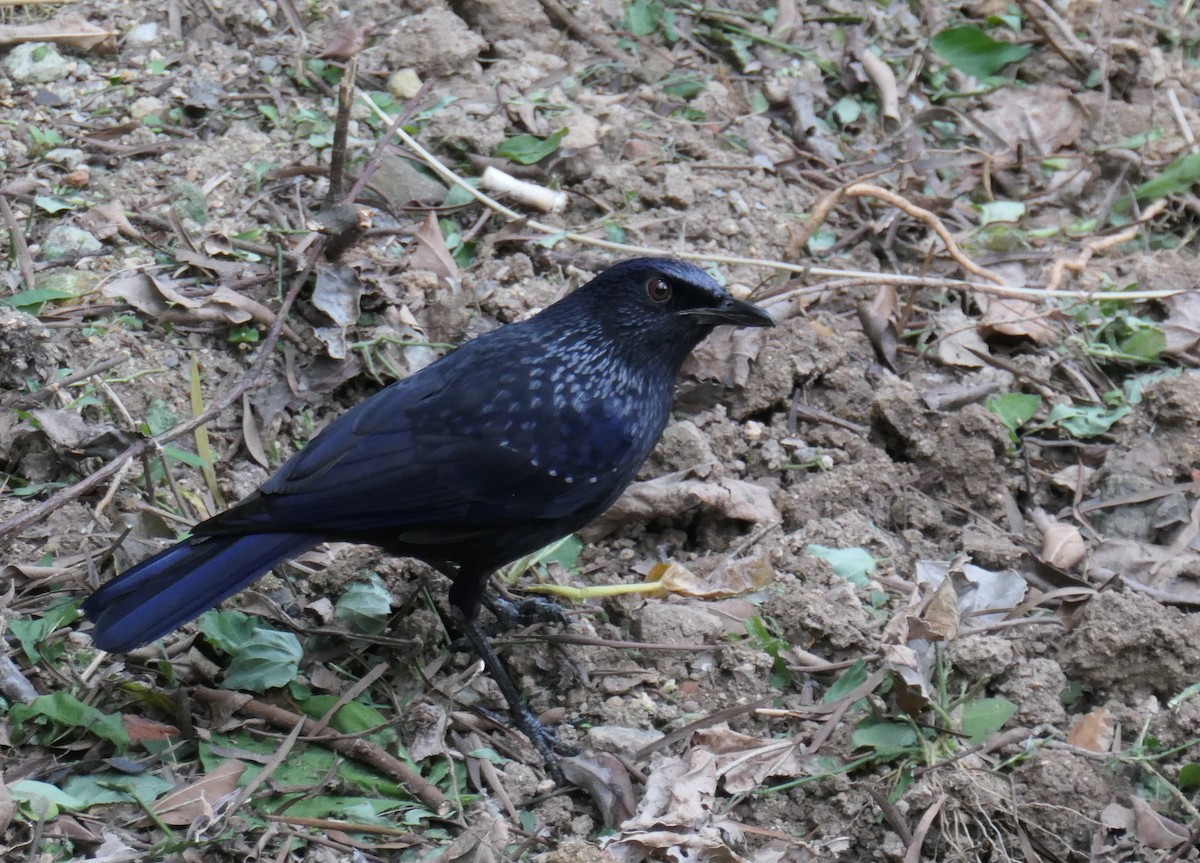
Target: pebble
<point>142,35</point>
<point>36,63</point>
<point>67,241</point>
<point>404,84</point>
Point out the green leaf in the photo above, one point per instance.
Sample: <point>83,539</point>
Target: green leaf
<point>1189,776</point>
<point>43,798</point>
<point>885,739</point>
<point>1085,422</point>
<point>974,52</point>
<point>983,718</point>
<point>457,196</point>
<point>229,630</point>
<point>852,564</point>
<point>182,455</point>
<point>821,240</point>
<point>1014,409</point>
<point>642,17</point>
<point>112,787</point>
<point>1145,343</point>
<point>1176,178</point>
<point>351,718</point>
<point>64,709</point>
<point>528,149</point>
<point>32,632</point>
<point>1000,211</point>
<point>52,204</point>
<point>486,754</point>
<point>683,86</point>
<point>365,606</point>
<point>852,678</point>
<point>847,110</point>
<point>35,299</point>
<point>160,418</point>
<point>271,659</point>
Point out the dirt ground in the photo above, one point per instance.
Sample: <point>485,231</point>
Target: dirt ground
<point>902,624</point>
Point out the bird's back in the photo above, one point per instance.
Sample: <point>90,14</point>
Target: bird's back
<point>521,436</point>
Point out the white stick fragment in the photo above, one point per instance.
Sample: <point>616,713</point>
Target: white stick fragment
<point>884,79</point>
<point>539,197</point>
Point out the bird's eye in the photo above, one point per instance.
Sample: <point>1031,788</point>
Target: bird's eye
<point>658,289</point>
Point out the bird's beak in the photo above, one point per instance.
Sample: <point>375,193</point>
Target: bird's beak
<point>731,311</point>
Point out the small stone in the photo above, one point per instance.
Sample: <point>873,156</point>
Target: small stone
<point>67,241</point>
<point>147,106</point>
<point>404,84</point>
<point>142,35</point>
<point>36,63</point>
<point>617,738</point>
<point>583,131</point>
<point>677,623</point>
<point>69,157</point>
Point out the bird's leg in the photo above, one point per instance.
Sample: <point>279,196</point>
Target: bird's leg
<point>542,738</point>
<point>511,615</point>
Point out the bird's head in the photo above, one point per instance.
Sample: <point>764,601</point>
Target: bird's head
<point>666,303</point>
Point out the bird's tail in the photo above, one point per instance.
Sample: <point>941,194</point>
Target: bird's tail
<point>164,592</point>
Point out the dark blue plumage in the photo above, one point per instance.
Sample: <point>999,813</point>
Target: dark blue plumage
<point>515,439</point>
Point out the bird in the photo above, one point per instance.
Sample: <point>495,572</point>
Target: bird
<point>517,438</point>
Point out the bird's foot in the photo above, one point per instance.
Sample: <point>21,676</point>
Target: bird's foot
<point>514,615</point>
<point>544,741</point>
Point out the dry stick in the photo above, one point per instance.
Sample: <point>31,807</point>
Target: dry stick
<point>868,190</point>
<point>913,854</point>
<point>33,399</point>
<point>360,750</point>
<point>1078,263</point>
<point>17,236</point>
<point>36,513</point>
<point>449,176</point>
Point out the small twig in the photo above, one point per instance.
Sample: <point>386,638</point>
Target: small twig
<point>20,247</point>
<point>913,854</point>
<point>33,399</point>
<point>1091,248</point>
<point>363,751</point>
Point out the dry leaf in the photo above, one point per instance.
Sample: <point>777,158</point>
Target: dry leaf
<point>734,577</point>
<point>1182,326</point>
<point>1094,732</point>
<point>956,334</point>
<point>1062,544</point>
<point>675,494</point>
<point>606,779</point>
<point>347,42</point>
<point>1154,830</point>
<point>430,252</point>
<point>939,621</point>
<point>105,220</point>
<point>199,797</point>
<point>1041,116</point>
<point>430,737</point>
<point>878,319</point>
<point>70,28</point>
<point>727,356</point>
<point>1016,318</point>
<point>745,762</point>
<point>139,728</point>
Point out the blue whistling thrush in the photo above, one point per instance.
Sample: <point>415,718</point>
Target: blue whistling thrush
<point>515,439</point>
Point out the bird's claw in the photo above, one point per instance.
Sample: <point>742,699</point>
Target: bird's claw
<point>545,742</point>
<point>513,615</point>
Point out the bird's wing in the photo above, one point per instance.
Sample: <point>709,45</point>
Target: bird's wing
<point>428,454</point>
